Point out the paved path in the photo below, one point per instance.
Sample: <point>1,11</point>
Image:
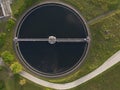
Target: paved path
<point>102,16</point>
<point>109,63</point>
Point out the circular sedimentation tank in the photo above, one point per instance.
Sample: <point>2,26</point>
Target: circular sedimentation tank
<point>51,39</point>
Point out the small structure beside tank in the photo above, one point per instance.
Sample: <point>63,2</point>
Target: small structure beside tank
<point>5,9</point>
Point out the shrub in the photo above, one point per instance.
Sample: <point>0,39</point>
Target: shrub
<point>22,82</point>
<point>7,57</point>
<point>16,67</point>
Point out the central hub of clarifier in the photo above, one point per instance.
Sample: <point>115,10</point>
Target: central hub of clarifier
<point>52,39</point>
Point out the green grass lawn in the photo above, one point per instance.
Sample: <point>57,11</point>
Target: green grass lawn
<point>109,80</point>
<point>93,8</point>
<point>105,40</point>
<point>12,82</point>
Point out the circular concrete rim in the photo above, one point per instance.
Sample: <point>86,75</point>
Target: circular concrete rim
<point>37,72</point>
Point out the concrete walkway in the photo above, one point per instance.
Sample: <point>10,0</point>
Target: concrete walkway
<point>109,63</point>
<point>98,18</point>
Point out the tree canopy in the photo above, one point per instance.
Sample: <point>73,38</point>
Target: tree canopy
<point>22,82</point>
<point>16,67</point>
<point>7,57</point>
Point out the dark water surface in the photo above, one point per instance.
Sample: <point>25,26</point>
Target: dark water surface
<point>52,58</point>
<point>52,20</point>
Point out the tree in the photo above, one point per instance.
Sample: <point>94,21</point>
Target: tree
<point>22,82</point>
<point>7,57</point>
<point>16,67</point>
